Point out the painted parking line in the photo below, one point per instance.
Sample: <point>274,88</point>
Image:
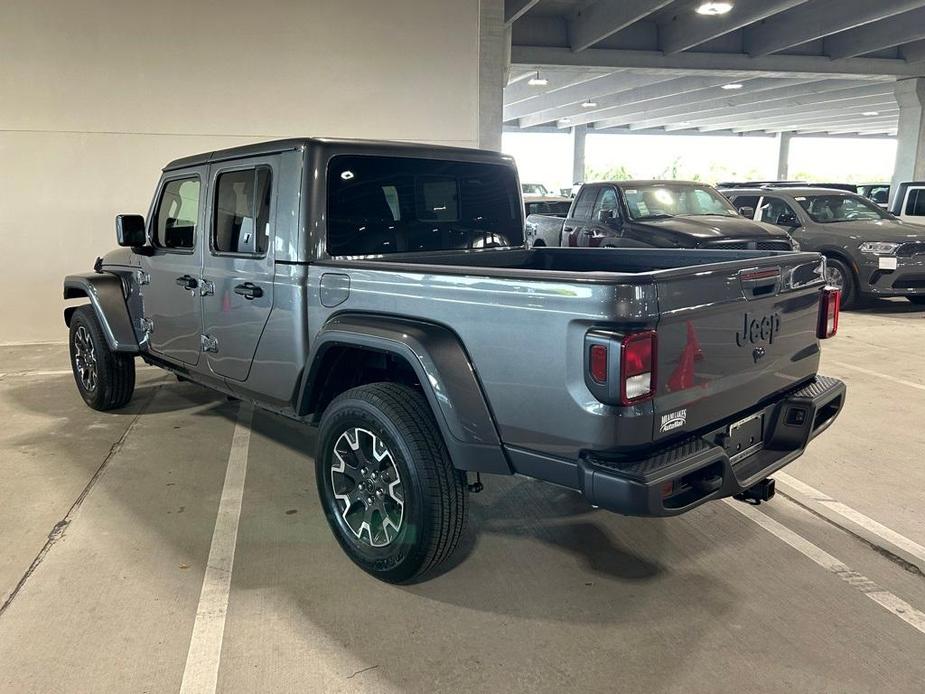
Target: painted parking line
<point>886,377</point>
<point>851,520</point>
<point>59,372</point>
<point>202,661</point>
<point>887,600</point>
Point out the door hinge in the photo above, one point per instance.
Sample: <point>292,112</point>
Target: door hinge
<point>147,325</point>
<point>143,277</point>
<point>207,343</point>
<point>206,288</point>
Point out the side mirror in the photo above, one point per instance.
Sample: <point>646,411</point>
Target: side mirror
<point>605,216</point>
<point>746,211</point>
<point>130,230</point>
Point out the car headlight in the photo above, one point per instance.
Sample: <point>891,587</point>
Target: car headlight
<point>878,247</point>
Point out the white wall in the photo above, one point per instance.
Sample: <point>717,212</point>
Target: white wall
<point>96,96</point>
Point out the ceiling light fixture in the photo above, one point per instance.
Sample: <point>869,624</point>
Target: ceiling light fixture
<point>713,9</point>
<point>871,113</point>
<point>537,81</point>
<point>587,103</point>
<point>565,120</point>
<point>734,85</point>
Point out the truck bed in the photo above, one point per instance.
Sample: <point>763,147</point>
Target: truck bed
<point>523,317</point>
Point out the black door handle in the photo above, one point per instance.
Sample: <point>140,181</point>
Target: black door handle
<point>568,230</point>
<point>248,290</point>
<point>187,282</point>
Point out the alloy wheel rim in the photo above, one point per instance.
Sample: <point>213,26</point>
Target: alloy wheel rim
<point>85,358</point>
<point>834,277</point>
<point>367,487</point>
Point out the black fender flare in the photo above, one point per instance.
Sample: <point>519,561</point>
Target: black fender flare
<point>104,290</point>
<point>444,371</point>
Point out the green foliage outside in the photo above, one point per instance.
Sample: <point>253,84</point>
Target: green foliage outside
<point>678,169</point>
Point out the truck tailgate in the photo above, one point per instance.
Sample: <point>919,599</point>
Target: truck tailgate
<point>731,336</point>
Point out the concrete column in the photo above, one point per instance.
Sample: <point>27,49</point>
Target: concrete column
<point>579,134</point>
<point>783,155</point>
<point>494,60</point>
<point>910,138</point>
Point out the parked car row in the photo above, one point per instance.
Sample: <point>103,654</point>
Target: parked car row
<point>870,251</point>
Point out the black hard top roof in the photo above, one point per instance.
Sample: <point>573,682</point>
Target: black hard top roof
<point>380,147</point>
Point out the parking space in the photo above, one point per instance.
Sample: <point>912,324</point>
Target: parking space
<point>108,522</point>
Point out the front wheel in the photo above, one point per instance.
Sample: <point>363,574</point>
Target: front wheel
<point>839,275</point>
<point>388,488</point>
<point>105,379</point>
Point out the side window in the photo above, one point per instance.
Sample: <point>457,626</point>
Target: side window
<point>776,211</point>
<point>915,203</point>
<point>242,211</point>
<point>607,201</point>
<point>585,203</point>
<point>740,201</point>
<point>177,214</point>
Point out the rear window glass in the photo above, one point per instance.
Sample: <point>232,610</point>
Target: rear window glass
<point>242,212</point>
<point>915,205</point>
<point>585,203</point>
<point>379,205</point>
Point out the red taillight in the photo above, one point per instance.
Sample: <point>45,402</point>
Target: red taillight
<point>828,313</point>
<point>637,367</point>
<point>598,363</point>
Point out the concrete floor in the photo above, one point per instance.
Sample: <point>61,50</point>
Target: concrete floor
<point>107,521</point>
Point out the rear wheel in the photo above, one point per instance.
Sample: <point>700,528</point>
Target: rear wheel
<point>105,379</point>
<point>839,275</point>
<point>389,490</point>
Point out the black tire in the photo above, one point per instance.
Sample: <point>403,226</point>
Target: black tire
<point>433,494</point>
<point>105,379</point>
<point>849,285</point>
<point>917,300</point>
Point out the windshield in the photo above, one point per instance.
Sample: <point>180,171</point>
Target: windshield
<point>831,208</point>
<point>379,205</point>
<point>675,200</point>
<point>534,189</point>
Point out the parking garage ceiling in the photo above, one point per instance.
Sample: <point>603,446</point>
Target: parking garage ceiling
<point>763,66</point>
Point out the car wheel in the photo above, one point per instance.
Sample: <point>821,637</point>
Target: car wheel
<point>917,300</point>
<point>388,488</point>
<point>105,379</point>
<point>839,275</point>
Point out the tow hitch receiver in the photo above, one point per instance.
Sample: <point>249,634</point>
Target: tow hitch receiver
<point>763,491</point>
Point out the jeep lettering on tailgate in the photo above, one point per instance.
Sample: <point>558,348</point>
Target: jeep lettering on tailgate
<point>758,329</point>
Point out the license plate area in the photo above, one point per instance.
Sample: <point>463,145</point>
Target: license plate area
<point>744,437</point>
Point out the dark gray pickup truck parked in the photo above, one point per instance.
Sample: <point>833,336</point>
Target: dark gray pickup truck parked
<point>382,292</point>
<point>869,251</point>
<point>654,214</point>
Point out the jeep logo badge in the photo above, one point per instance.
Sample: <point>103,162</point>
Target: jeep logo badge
<point>758,329</point>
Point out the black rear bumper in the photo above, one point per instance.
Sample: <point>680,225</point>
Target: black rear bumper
<point>699,469</point>
<point>678,478</point>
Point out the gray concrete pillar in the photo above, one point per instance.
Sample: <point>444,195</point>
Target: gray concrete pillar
<point>494,59</point>
<point>910,138</point>
<point>783,155</point>
<point>579,134</point>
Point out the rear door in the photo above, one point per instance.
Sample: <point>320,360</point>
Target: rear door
<point>170,279</point>
<point>238,268</point>
<point>732,334</point>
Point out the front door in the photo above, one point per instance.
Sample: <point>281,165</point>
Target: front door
<point>170,275</point>
<point>237,275</point>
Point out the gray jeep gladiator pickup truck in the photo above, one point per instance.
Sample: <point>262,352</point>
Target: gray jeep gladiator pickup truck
<point>382,292</point>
